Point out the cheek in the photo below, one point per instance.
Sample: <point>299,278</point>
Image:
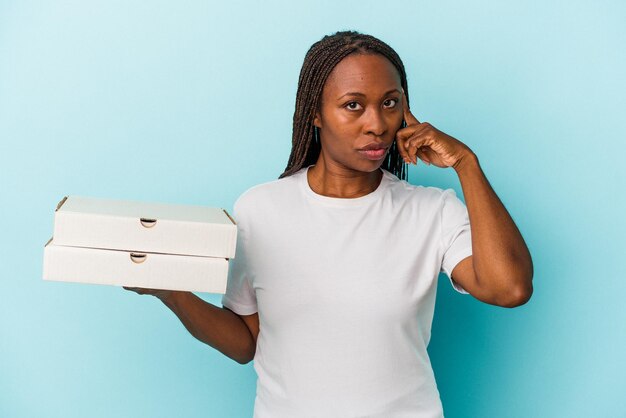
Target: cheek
<point>397,117</point>
<point>344,136</point>
<point>341,128</point>
<point>395,122</point>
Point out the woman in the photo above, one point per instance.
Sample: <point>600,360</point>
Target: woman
<point>332,290</point>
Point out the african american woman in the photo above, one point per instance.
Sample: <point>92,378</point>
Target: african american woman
<point>332,291</point>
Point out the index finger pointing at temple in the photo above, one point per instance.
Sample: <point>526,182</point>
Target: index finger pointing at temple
<point>408,116</point>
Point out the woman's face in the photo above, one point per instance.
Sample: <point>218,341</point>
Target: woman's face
<point>361,111</point>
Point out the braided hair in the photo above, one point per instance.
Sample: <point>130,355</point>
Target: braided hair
<point>319,61</point>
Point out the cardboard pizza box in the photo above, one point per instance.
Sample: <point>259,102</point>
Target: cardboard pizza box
<point>144,227</point>
<point>134,269</point>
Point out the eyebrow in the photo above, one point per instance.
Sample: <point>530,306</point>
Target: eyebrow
<point>355,93</point>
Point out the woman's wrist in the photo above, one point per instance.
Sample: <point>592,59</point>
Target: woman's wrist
<point>469,160</point>
<point>168,297</point>
<point>173,298</point>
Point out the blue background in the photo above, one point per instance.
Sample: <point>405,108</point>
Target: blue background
<point>192,102</point>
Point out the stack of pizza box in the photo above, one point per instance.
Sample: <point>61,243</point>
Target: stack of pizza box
<point>140,244</point>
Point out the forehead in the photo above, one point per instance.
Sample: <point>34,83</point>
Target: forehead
<point>362,73</point>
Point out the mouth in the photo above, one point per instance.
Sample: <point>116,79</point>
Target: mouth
<point>373,153</point>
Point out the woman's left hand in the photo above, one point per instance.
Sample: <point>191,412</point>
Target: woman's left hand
<point>421,139</point>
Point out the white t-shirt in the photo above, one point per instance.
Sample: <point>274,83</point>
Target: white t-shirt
<point>345,291</point>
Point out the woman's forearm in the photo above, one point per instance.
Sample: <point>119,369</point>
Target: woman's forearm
<point>501,258</point>
<point>220,328</point>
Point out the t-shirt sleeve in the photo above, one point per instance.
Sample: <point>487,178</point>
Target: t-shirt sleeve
<point>240,296</point>
<point>456,235</point>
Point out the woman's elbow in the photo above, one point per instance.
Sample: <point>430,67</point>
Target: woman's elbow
<point>244,360</point>
<point>518,296</point>
<point>247,355</point>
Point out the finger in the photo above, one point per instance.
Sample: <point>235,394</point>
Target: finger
<point>410,131</point>
<point>410,149</point>
<point>422,155</point>
<point>408,116</point>
<point>402,150</point>
<point>138,290</point>
<point>416,142</point>
<point>413,150</point>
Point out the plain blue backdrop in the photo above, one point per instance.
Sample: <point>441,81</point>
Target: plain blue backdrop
<point>192,102</point>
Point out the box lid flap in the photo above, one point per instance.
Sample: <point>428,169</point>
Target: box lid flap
<point>137,209</point>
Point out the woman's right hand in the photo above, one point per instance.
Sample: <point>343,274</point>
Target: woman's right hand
<point>164,295</point>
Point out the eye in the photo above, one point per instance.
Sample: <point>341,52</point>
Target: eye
<point>352,105</point>
<point>390,102</point>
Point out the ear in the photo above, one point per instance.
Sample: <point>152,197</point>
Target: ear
<point>317,120</point>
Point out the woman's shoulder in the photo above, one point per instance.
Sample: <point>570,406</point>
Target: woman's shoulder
<point>268,192</point>
<point>428,198</point>
<point>402,189</point>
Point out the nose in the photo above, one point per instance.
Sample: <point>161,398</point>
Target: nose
<point>375,122</point>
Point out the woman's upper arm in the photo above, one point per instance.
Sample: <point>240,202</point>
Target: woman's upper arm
<point>465,275</point>
<point>252,321</point>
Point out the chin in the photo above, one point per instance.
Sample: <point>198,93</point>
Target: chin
<point>368,166</point>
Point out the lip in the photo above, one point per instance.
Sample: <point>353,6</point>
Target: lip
<point>373,152</point>
<point>372,146</point>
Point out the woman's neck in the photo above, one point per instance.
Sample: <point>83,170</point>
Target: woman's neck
<point>333,181</point>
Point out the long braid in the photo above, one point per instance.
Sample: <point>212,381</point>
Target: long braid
<point>319,61</point>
